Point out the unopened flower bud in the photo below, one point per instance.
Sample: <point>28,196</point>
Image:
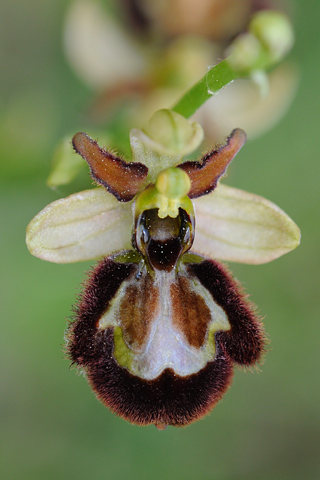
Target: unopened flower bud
<point>244,53</point>
<point>274,31</point>
<point>166,139</point>
<point>172,134</point>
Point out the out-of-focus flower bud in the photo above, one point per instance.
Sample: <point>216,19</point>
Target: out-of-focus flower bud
<point>65,166</point>
<point>244,53</point>
<point>215,19</point>
<point>171,134</point>
<point>166,139</point>
<point>269,39</point>
<point>274,31</point>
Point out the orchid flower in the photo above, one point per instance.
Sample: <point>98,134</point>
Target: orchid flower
<point>161,323</point>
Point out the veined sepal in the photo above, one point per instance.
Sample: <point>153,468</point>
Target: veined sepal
<point>239,226</point>
<point>83,226</point>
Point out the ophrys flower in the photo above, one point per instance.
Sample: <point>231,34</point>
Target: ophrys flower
<point>158,328</point>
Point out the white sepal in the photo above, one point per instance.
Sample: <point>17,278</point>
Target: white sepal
<point>237,226</point>
<point>83,226</point>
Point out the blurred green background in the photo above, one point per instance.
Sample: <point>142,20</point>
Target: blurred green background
<point>52,427</point>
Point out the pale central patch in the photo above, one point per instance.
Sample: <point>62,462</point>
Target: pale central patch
<point>165,345</point>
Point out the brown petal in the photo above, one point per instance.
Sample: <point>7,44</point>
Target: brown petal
<point>123,180</point>
<point>205,174</point>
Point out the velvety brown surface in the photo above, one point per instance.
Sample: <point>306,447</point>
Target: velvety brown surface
<point>168,399</point>
<point>164,255</point>
<point>137,311</point>
<point>190,312</point>
<point>245,342</point>
<point>99,289</point>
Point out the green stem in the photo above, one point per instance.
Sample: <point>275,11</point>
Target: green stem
<point>217,77</point>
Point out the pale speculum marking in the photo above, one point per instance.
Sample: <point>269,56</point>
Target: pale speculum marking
<point>167,322</point>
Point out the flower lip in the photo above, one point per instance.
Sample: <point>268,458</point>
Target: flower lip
<point>167,398</point>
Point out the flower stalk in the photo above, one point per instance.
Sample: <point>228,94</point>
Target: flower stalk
<point>268,40</point>
<point>216,78</point>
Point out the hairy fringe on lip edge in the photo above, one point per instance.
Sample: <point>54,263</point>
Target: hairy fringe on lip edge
<point>168,399</point>
<point>246,341</point>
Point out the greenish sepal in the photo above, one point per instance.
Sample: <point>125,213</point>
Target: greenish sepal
<point>165,141</point>
<point>66,165</point>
